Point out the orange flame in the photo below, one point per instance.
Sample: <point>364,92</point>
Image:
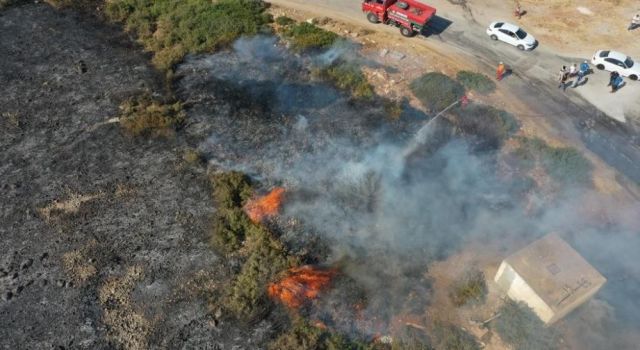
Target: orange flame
<point>301,284</point>
<point>269,205</point>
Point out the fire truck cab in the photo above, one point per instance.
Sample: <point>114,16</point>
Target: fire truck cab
<point>411,16</point>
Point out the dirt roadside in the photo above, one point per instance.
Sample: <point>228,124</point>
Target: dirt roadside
<point>563,119</point>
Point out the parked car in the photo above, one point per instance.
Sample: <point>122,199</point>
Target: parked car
<point>511,34</point>
<point>614,61</point>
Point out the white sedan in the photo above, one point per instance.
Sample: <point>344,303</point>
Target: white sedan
<point>511,34</point>
<point>614,61</point>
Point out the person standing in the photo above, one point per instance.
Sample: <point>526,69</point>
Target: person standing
<point>562,78</point>
<point>500,71</point>
<point>573,70</point>
<point>617,83</point>
<point>635,22</point>
<point>612,80</point>
<point>517,11</point>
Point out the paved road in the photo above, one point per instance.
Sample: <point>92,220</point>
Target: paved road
<point>574,113</point>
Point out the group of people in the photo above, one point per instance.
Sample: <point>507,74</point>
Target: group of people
<point>573,71</point>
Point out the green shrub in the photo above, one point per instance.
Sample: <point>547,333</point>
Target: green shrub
<point>267,258</point>
<point>302,336</point>
<point>476,81</point>
<point>521,328</point>
<point>563,164</point>
<point>471,288</point>
<point>230,223</point>
<point>450,337</point>
<point>348,77</point>
<point>305,36</point>
<point>492,126</point>
<point>284,21</point>
<point>142,115</point>
<point>171,28</point>
<point>436,91</point>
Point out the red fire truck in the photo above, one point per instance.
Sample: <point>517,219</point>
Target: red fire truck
<point>409,15</point>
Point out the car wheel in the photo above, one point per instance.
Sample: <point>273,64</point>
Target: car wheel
<point>407,32</point>
<point>521,47</point>
<point>373,18</point>
<point>494,37</point>
<point>600,66</point>
<point>633,77</point>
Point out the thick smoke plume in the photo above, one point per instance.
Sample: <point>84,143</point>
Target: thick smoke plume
<point>386,214</point>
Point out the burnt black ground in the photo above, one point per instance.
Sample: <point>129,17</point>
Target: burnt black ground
<point>148,211</point>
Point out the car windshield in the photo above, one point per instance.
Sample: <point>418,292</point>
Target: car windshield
<point>521,34</point>
<point>604,53</point>
<point>498,25</point>
<point>628,62</point>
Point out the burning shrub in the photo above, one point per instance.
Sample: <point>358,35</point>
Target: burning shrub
<point>563,164</point>
<point>267,257</point>
<point>303,336</point>
<point>436,91</point>
<point>450,337</point>
<point>476,81</point>
<point>521,328</point>
<point>470,288</point>
<point>348,77</point>
<point>490,126</point>
<point>266,206</point>
<point>142,115</point>
<point>171,28</point>
<point>304,36</point>
<point>301,284</point>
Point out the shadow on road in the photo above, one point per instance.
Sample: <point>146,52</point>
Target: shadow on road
<point>436,26</point>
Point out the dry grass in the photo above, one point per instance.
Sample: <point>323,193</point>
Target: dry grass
<point>144,116</point>
<point>69,206</point>
<point>78,264</point>
<point>127,326</point>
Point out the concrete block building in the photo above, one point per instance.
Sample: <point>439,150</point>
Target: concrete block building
<point>549,276</point>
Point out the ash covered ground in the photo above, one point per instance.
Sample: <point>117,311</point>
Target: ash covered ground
<point>105,236</point>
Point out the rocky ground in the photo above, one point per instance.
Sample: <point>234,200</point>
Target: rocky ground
<point>104,237</point>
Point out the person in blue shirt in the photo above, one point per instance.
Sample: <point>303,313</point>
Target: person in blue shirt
<point>617,83</point>
<point>584,70</point>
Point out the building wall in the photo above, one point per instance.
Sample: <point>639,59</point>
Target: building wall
<point>517,289</point>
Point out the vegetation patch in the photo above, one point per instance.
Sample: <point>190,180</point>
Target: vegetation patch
<point>490,125</point>
<point>170,29</point>
<point>519,326</point>
<point>306,36</point>
<point>230,223</point>
<point>302,335</point>
<point>471,288</point>
<point>144,116</point>
<point>284,21</point>
<point>476,81</point>
<point>563,164</point>
<point>349,77</point>
<point>450,337</point>
<point>436,91</point>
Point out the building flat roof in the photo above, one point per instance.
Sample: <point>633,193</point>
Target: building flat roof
<point>555,271</point>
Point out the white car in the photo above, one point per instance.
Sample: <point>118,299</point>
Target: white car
<point>614,61</point>
<point>511,34</point>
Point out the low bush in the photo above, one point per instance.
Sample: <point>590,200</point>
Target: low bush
<point>268,257</point>
<point>305,36</point>
<point>490,125</point>
<point>450,337</point>
<point>302,336</point>
<point>476,81</point>
<point>230,223</point>
<point>436,91</point>
<point>348,77</point>
<point>471,288</point>
<point>519,326</point>
<point>142,115</point>
<point>284,21</point>
<point>172,29</point>
<point>563,164</point>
